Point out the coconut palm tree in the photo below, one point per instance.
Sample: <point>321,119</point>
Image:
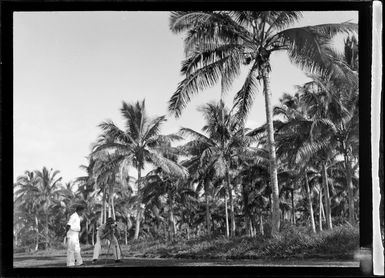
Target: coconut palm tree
<point>293,132</point>
<point>221,191</point>
<point>335,102</point>
<point>124,205</point>
<point>334,109</point>
<point>25,203</point>
<point>296,144</point>
<point>255,182</point>
<point>140,142</point>
<point>48,185</point>
<point>216,150</point>
<point>217,43</point>
<point>187,199</point>
<point>86,184</point>
<point>157,184</point>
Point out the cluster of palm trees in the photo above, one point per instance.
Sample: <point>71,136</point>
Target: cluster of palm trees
<point>225,179</point>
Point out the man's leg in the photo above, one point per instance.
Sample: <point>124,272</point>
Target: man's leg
<point>78,257</point>
<point>116,248</point>
<point>70,252</point>
<point>97,248</point>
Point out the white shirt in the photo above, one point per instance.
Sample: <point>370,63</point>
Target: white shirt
<point>74,222</point>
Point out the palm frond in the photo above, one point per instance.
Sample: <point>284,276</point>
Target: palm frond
<point>181,21</point>
<point>113,131</point>
<point>136,118</point>
<point>193,147</point>
<point>196,135</point>
<point>208,54</point>
<point>220,166</point>
<point>201,79</point>
<point>322,125</point>
<point>281,19</point>
<point>216,28</point>
<point>243,100</point>
<point>168,152</point>
<point>309,149</point>
<point>330,30</point>
<point>308,46</point>
<point>101,151</point>
<point>167,165</point>
<point>167,139</point>
<point>154,128</point>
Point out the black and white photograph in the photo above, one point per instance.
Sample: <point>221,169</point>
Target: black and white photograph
<point>170,138</point>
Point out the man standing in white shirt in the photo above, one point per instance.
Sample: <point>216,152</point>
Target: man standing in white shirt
<point>72,238</point>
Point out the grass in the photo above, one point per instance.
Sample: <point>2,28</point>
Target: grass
<point>340,243</point>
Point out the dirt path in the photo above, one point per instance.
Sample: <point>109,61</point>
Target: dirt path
<point>40,261</point>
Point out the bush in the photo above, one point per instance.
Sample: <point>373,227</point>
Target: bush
<point>291,242</point>
<point>341,242</point>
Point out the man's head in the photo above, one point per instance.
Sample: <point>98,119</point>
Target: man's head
<point>80,210</point>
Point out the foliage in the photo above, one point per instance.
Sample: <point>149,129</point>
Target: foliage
<point>292,242</point>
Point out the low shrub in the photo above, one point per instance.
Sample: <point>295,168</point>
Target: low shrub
<point>291,242</point>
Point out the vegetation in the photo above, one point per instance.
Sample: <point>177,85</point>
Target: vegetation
<point>341,243</point>
<point>288,188</point>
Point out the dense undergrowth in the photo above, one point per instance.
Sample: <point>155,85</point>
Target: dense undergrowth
<point>339,243</point>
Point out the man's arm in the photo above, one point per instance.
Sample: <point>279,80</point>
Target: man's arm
<point>69,224</point>
<point>67,229</point>
<point>106,232</point>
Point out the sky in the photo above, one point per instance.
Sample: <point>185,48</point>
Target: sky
<point>72,70</point>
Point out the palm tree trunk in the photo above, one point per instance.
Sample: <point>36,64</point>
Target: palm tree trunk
<point>87,233</point>
<point>103,215</point>
<point>327,197</point>
<point>310,203</point>
<point>46,231</point>
<point>272,155</point>
<point>323,213</point>
<point>37,233</point>
<point>271,204</point>
<point>226,216</point>
<point>320,209</point>
<point>261,224</point>
<point>109,208</point>
<point>111,211</point>
<point>110,202</point>
<point>207,210</point>
<point>232,217</point>
<point>172,227</point>
<point>112,206</point>
<point>292,206</point>
<point>249,227</point>
<point>138,215</point>
<point>253,225</point>
<point>348,168</point>
<point>93,235</point>
<point>15,238</point>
